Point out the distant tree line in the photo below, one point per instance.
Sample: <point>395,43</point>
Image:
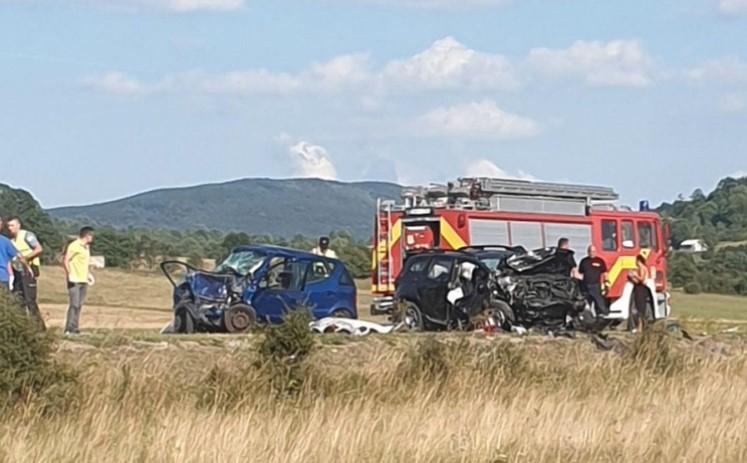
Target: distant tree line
<point>136,247</point>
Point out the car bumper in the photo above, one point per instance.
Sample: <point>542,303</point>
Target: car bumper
<point>382,305</point>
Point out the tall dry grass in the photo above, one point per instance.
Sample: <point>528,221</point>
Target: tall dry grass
<point>401,398</point>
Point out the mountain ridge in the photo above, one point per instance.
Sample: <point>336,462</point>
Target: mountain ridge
<point>281,207</point>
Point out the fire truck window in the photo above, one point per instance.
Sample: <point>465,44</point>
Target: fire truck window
<point>609,235</point>
<point>628,234</point>
<point>440,269</point>
<point>646,235</point>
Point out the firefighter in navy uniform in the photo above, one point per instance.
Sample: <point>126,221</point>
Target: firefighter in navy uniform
<point>593,272</point>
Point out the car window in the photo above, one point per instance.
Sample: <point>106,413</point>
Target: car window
<point>319,271</point>
<point>628,234</point>
<point>242,262</point>
<point>285,274</point>
<point>609,235</point>
<point>417,264</point>
<point>646,235</point>
<point>440,268</point>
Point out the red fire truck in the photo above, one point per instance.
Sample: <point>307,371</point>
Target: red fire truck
<point>487,211</point>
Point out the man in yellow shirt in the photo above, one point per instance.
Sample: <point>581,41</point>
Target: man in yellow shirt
<point>77,262</point>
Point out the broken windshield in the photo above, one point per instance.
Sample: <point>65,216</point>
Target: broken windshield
<point>242,262</point>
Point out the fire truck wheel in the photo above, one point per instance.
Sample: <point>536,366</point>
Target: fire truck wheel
<point>239,318</point>
<point>183,321</point>
<point>413,317</point>
<point>503,314</point>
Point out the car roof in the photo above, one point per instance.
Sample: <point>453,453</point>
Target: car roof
<point>280,251</point>
<point>452,254</point>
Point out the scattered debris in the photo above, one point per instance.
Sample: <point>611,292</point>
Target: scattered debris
<point>351,327</point>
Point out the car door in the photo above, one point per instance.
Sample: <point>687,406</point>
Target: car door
<point>321,291</point>
<point>280,289</point>
<point>434,288</point>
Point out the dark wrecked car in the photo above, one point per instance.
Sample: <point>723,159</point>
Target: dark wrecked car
<point>258,284</point>
<point>443,290</point>
<point>540,291</point>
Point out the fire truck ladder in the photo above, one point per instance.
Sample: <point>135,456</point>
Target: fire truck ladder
<point>383,237</point>
<point>495,186</point>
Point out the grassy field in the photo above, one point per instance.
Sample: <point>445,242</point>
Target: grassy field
<point>400,398</point>
<point>412,398</point>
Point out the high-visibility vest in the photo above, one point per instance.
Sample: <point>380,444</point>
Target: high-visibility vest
<point>23,247</point>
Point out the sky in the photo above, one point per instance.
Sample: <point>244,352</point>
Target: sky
<point>101,99</point>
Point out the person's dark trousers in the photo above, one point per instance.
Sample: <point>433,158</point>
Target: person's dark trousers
<point>594,294</point>
<point>77,294</point>
<point>24,285</point>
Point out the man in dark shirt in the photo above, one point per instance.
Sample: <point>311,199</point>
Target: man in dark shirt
<point>566,257</point>
<point>593,272</point>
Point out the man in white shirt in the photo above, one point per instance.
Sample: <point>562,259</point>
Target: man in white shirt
<point>323,249</point>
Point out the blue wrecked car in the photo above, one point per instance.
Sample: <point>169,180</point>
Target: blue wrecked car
<point>258,284</point>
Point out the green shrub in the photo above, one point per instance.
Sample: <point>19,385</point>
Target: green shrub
<point>27,370</point>
<point>693,288</point>
<point>284,350</point>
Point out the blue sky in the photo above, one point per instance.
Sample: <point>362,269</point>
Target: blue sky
<point>105,98</point>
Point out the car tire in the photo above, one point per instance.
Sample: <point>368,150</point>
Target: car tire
<point>184,323</point>
<point>413,317</point>
<point>503,314</point>
<point>239,318</point>
<point>341,313</point>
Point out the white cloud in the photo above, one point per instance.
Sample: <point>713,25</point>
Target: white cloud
<point>114,82</point>
<point>728,70</point>
<point>738,174</point>
<point>340,71</point>
<point>480,120</point>
<point>438,3</point>
<point>446,65</point>
<point>622,63</point>
<point>486,168</point>
<point>732,7</point>
<point>312,161</point>
<point>449,64</point>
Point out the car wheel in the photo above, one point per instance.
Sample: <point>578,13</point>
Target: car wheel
<point>341,313</point>
<point>239,318</point>
<point>183,321</point>
<point>413,317</point>
<point>503,314</point>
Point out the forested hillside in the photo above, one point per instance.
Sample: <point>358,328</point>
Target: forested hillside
<point>284,208</point>
<point>22,204</point>
<point>719,218</point>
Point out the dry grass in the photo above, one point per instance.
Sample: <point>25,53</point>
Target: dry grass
<point>398,398</point>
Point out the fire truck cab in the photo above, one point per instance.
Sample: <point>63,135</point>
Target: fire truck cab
<point>487,211</point>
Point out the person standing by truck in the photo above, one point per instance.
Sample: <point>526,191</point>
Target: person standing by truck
<point>593,272</point>
<point>27,267</point>
<point>323,249</point>
<point>77,262</point>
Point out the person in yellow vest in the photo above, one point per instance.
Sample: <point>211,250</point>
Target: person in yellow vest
<point>26,267</point>
<point>77,262</point>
